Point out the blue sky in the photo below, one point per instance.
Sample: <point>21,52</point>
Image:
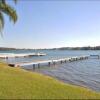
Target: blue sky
<point>50,24</point>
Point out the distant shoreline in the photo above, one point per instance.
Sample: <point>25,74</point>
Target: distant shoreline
<point>61,48</point>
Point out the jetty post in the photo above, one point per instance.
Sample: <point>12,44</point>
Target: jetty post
<point>33,66</point>
<point>98,57</point>
<point>38,65</point>
<point>61,61</point>
<point>54,63</point>
<point>70,59</point>
<point>49,64</point>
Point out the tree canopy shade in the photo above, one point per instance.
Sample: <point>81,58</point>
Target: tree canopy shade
<point>5,8</point>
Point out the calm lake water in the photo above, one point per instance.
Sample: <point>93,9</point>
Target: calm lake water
<point>84,73</point>
<point>51,54</point>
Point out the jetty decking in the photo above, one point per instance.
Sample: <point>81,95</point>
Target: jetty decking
<point>12,55</point>
<point>50,62</point>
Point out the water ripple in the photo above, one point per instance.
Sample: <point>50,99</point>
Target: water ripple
<point>84,73</point>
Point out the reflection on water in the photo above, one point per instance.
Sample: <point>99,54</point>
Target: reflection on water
<point>83,73</point>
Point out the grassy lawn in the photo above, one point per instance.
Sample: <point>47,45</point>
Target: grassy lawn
<point>16,83</point>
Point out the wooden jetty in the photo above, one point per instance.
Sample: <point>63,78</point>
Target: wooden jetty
<point>50,62</point>
<point>12,55</point>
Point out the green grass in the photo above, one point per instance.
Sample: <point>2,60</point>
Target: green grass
<point>16,83</point>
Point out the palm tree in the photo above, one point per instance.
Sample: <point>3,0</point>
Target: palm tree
<point>8,10</point>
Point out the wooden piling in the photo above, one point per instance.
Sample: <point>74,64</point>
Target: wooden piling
<point>33,66</point>
<point>38,65</point>
<point>49,64</point>
<point>98,56</point>
<point>61,62</point>
<point>54,63</point>
<point>71,60</point>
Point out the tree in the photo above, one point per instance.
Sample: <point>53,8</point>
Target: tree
<point>5,8</point>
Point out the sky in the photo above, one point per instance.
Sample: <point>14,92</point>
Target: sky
<point>51,24</point>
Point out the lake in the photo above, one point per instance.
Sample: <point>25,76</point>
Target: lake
<point>51,54</point>
<point>84,73</point>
